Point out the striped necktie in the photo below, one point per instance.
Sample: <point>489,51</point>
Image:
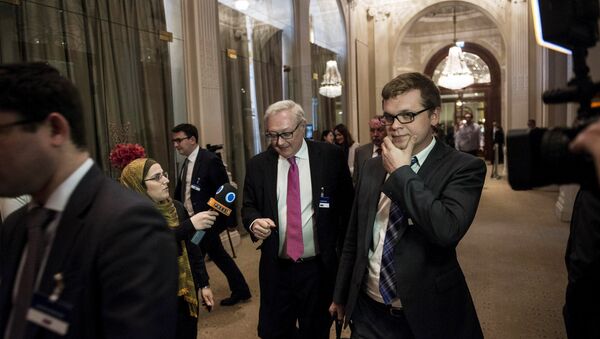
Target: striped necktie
<point>387,279</point>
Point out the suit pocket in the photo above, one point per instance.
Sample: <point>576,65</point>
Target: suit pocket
<point>448,280</point>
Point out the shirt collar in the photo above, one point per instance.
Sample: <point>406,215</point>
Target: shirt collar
<point>422,156</point>
<point>194,154</point>
<point>302,152</point>
<point>59,198</point>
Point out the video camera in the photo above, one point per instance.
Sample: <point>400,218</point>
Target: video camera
<point>540,157</point>
<point>214,149</point>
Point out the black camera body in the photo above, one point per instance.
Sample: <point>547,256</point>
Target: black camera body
<point>539,157</point>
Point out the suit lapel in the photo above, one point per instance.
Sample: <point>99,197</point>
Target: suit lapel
<point>373,194</point>
<point>433,160</point>
<point>13,240</point>
<point>314,159</point>
<point>271,182</point>
<point>70,225</point>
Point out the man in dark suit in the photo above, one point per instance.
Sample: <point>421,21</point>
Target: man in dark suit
<point>581,312</point>
<point>85,258</point>
<point>297,197</point>
<point>399,276</point>
<point>201,175</point>
<point>370,150</point>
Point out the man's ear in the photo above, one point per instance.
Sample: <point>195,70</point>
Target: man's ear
<point>59,128</point>
<point>434,116</point>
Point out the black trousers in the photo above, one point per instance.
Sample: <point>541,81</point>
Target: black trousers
<point>582,310</point>
<point>187,326</point>
<point>304,296</point>
<point>211,244</point>
<point>373,320</point>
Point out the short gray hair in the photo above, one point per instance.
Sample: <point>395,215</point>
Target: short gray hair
<point>285,105</point>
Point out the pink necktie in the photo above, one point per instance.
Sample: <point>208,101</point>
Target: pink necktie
<point>293,237</point>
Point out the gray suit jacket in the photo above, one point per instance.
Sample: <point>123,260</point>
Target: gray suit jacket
<point>441,202</point>
<point>361,155</point>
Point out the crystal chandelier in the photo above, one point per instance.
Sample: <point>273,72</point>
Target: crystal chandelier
<point>241,5</point>
<point>331,86</point>
<point>456,74</point>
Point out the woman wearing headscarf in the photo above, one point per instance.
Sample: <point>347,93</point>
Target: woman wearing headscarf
<point>147,177</point>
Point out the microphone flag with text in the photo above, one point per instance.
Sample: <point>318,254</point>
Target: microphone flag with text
<point>222,203</point>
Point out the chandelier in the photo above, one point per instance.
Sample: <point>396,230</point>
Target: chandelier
<point>331,86</point>
<point>241,5</point>
<point>456,74</point>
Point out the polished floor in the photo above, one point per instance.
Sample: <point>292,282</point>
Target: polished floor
<point>512,257</point>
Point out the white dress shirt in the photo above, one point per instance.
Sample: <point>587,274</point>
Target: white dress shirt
<point>191,160</point>
<point>379,229</point>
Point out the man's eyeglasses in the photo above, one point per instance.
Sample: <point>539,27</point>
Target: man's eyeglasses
<point>158,176</point>
<point>273,137</point>
<point>179,140</point>
<point>403,117</point>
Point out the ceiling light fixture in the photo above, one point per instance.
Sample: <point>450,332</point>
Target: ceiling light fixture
<point>241,5</point>
<point>331,86</point>
<point>456,74</point>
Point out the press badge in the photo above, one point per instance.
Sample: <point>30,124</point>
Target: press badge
<point>51,315</point>
<point>324,202</point>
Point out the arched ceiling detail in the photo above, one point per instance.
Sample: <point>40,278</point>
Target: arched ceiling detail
<point>430,28</point>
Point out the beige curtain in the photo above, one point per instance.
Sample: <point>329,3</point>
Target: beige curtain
<point>267,63</point>
<point>112,51</point>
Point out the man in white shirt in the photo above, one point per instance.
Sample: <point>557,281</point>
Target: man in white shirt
<point>201,175</point>
<point>399,276</point>
<point>85,258</point>
<point>297,198</point>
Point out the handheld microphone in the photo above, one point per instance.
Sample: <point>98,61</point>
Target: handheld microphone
<point>222,203</point>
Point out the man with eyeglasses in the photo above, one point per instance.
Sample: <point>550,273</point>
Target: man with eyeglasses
<point>297,198</point>
<point>86,258</point>
<point>399,276</point>
<point>201,174</point>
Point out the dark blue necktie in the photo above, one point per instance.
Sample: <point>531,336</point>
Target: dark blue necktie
<point>36,220</point>
<point>387,281</point>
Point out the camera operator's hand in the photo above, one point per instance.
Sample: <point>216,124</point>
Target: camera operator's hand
<point>589,141</point>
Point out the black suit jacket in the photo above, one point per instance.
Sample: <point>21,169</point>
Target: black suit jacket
<point>207,176</point>
<point>328,170</point>
<point>118,260</point>
<point>361,155</point>
<point>441,202</point>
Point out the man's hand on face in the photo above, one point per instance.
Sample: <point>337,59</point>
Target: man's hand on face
<point>394,157</point>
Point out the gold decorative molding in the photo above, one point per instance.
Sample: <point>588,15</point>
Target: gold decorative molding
<point>166,36</point>
<point>231,53</point>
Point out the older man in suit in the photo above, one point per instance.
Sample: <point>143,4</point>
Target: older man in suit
<point>297,196</point>
<point>201,175</point>
<point>86,258</point>
<point>399,276</point>
<point>370,150</point>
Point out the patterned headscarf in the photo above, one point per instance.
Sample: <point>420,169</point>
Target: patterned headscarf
<point>132,177</point>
